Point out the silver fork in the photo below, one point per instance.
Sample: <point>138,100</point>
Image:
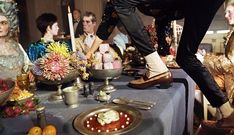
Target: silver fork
<point>150,104</point>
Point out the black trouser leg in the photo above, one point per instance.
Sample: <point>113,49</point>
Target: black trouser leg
<point>126,10</point>
<point>108,23</point>
<point>198,16</point>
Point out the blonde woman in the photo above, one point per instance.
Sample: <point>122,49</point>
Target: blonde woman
<point>222,67</point>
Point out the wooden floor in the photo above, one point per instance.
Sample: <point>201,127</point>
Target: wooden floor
<point>200,131</point>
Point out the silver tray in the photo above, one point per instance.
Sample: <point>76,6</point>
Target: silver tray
<point>80,119</point>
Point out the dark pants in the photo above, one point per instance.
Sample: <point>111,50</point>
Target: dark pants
<point>198,17</point>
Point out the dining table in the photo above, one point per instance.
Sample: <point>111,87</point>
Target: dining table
<point>172,113</point>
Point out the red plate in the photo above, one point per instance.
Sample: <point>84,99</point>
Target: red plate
<point>86,123</point>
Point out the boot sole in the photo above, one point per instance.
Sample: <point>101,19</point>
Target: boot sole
<point>164,82</point>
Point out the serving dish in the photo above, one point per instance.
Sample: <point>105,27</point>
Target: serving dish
<point>86,122</point>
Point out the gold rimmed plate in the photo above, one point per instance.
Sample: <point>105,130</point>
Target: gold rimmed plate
<point>86,122</point>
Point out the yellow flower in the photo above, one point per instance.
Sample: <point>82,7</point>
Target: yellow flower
<point>60,48</point>
<point>85,76</point>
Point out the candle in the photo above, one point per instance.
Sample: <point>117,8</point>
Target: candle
<point>117,64</point>
<point>175,36</point>
<point>107,57</point>
<point>108,65</point>
<point>71,29</point>
<point>175,32</point>
<point>98,57</point>
<point>104,48</point>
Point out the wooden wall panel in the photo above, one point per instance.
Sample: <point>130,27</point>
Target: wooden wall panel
<point>36,8</point>
<point>95,6</point>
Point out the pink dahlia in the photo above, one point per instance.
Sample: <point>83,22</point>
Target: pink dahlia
<point>54,66</point>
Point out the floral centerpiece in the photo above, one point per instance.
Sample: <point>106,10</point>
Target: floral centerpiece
<point>58,62</point>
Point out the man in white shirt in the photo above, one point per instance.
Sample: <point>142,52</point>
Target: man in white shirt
<point>85,41</point>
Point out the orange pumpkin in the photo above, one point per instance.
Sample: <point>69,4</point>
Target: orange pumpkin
<point>35,131</point>
<point>49,130</point>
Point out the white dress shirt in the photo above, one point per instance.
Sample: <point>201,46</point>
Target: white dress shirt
<point>89,39</point>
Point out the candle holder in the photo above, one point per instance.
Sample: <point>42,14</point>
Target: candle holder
<point>79,83</point>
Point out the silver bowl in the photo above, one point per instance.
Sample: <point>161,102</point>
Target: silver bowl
<point>72,75</point>
<point>106,74</point>
<point>4,95</point>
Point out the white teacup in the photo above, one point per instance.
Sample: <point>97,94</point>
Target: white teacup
<point>70,96</point>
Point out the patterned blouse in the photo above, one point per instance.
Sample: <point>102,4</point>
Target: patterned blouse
<point>38,49</point>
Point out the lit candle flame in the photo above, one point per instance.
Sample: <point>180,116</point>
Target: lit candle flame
<point>68,9</point>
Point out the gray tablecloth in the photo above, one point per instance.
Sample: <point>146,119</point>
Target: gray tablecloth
<point>172,115</point>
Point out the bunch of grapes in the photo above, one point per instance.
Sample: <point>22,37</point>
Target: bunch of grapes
<point>12,111</point>
<point>3,86</point>
<point>18,109</point>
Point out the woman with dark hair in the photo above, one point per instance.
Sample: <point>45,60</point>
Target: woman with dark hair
<point>45,20</point>
<point>48,26</point>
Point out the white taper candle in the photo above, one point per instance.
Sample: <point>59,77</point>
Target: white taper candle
<point>70,21</point>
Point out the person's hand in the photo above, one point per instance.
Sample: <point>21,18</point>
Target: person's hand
<point>31,76</point>
<point>88,55</point>
<point>164,59</point>
<point>94,47</point>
